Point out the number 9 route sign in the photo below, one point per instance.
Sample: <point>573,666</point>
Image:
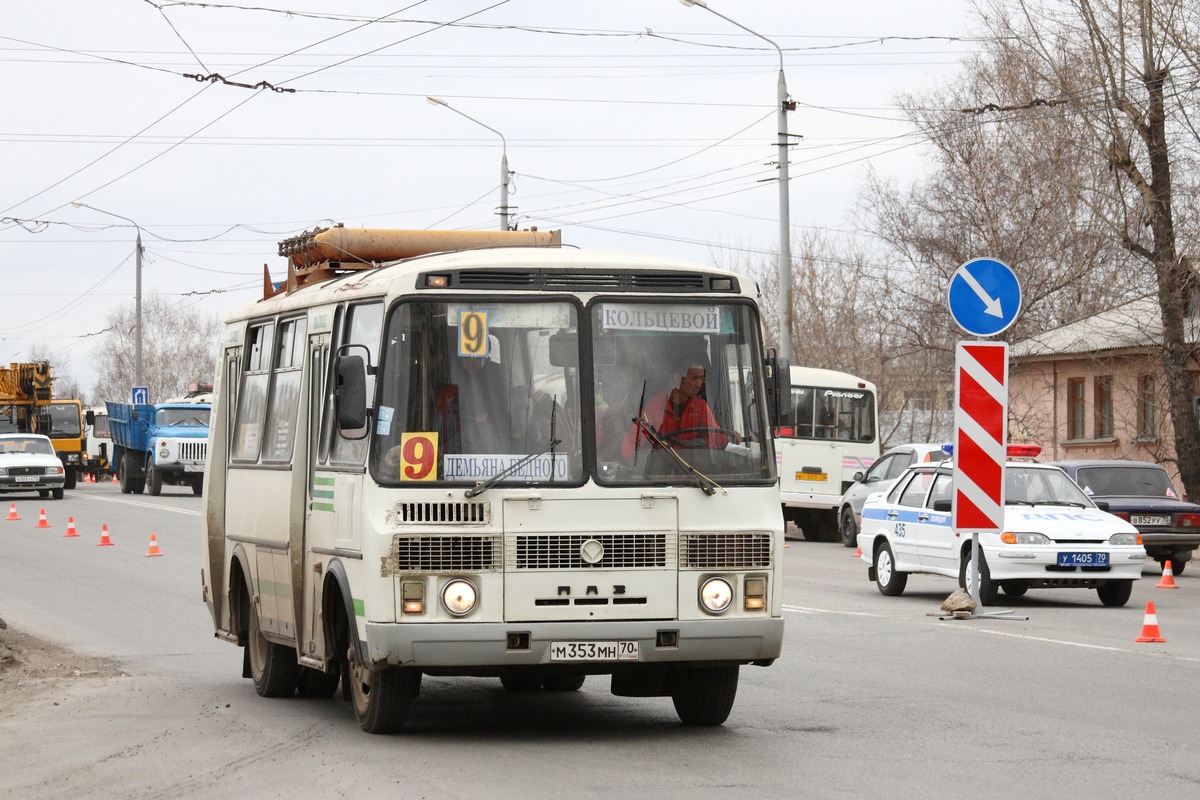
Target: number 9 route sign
<point>985,297</point>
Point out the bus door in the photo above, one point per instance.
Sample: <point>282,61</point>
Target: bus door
<point>336,463</point>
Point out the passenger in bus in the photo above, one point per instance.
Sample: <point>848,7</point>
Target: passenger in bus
<point>679,409</point>
<point>483,394</point>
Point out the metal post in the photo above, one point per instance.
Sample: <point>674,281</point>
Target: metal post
<point>137,325</point>
<point>783,105</point>
<point>504,173</point>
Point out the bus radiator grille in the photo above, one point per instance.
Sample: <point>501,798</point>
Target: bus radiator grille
<point>563,551</point>
<point>452,513</point>
<point>725,551</point>
<point>412,554</point>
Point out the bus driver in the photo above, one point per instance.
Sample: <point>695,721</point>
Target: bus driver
<point>682,410</point>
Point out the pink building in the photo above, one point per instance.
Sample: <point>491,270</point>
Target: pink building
<point>1096,388</point>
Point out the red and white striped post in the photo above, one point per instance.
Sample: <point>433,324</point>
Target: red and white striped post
<point>980,440</point>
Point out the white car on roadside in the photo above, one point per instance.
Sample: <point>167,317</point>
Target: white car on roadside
<point>28,463</point>
<point>1054,536</point>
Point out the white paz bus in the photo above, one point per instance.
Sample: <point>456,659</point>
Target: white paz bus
<point>423,461</point>
<point>828,430</point>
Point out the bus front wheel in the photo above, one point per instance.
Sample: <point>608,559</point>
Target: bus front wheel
<point>705,696</point>
<point>272,666</point>
<point>382,698</point>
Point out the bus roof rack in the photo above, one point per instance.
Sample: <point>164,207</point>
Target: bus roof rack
<point>325,253</point>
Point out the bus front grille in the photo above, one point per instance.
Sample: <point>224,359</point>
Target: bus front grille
<point>607,550</point>
<point>443,554</point>
<point>452,513</point>
<point>725,551</point>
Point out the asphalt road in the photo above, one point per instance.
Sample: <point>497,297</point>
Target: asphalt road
<point>874,696</point>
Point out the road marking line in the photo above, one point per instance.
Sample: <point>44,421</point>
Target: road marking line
<point>145,505</point>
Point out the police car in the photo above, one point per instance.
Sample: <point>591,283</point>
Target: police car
<point>1054,536</point>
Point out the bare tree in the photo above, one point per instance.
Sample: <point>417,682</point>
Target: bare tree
<point>178,348</point>
<point>1111,64</point>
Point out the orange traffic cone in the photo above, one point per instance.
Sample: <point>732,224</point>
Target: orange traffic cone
<point>153,551</point>
<point>12,512</point>
<point>42,523</point>
<point>1168,578</point>
<point>104,540</point>
<point>857,552</point>
<point>114,480</point>
<point>1150,631</point>
<point>71,532</point>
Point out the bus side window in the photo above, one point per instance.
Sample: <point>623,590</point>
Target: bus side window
<point>363,326</point>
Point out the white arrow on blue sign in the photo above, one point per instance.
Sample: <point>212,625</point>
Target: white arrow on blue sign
<point>985,297</point>
<point>140,395</point>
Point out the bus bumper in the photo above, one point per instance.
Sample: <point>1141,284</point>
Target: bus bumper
<point>477,649</point>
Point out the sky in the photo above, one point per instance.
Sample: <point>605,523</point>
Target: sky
<point>633,125</point>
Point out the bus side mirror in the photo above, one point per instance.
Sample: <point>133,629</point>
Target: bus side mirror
<point>350,392</point>
<point>774,371</point>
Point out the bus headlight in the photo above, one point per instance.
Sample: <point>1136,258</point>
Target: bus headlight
<point>715,595</point>
<point>459,597</point>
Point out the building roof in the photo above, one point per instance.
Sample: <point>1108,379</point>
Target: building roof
<point>1136,325</point>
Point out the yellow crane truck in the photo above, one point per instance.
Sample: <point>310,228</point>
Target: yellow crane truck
<point>28,405</point>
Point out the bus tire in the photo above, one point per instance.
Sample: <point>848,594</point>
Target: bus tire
<point>382,698</point>
<point>563,683</point>
<point>154,479</point>
<point>317,685</point>
<point>705,696</point>
<point>273,666</point>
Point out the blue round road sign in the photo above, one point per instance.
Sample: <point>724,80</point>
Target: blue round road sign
<point>985,297</point>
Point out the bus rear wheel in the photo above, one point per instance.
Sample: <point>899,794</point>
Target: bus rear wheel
<point>272,666</point>
<point>705,696</point>
<point>381,698</point>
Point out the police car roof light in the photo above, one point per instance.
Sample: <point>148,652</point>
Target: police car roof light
<point>1024,450</point>
<point>948,448</point>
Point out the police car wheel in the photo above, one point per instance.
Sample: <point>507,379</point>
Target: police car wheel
<point>1115,593</point>
<point>989,590</point>
<point>890,582</point>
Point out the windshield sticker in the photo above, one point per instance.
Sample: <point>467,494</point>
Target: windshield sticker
<point>383,425</point>
<point>481,467</point>
<point>418,456</point>
<point>473,334</point>
<point>670,319</point>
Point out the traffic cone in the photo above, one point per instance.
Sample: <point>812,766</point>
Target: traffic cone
<point>12,513</point>
<point>153,551</point>
<point>1150,631</point>
<point>71,532</point>
<point>857,552</point>
<point>104,540</point>
<point>114,480</point>
<point>42,523</point>
<point>1168,578</point>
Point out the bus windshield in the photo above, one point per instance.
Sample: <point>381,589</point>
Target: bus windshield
<point>822,412</point>
<point>516,393</point>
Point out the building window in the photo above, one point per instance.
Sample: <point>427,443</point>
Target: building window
<point>1102,402</point>
<point>1075,408</point>
<point>1147,418</point>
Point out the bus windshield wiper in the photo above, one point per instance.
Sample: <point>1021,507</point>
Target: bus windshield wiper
<point>480,488</point>
<point>702,481</point>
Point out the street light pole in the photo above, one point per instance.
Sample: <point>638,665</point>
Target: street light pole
<point>782,106</point>
<point>504,173</point>
<point>137,327</point>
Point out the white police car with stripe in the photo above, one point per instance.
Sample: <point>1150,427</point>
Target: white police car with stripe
<point>1054,535</point>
